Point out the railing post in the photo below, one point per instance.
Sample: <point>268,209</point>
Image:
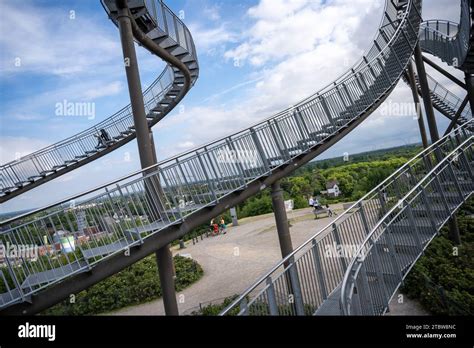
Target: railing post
<point>244,310</point>
<point>295,287</point>
<point>119,189</point>
<point>304,135</point>
<point>319,269</point>
<point>441,191</point>
<point>208,181</point>
<point>237,164</point>
<point>260,150</point>
<point>282,138</point>
<point>285,156</point>
<point>14,278</point>
<point>338,241</point>
<point>299,119</point>
<point>378,271</point>
<point>326,110</point>
<point>272,303</point>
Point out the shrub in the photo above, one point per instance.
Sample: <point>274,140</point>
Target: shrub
<point>444,282</point>
<point>134,285</point>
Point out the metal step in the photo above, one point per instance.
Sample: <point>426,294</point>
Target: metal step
<point>331,306</point>
<point>51,275</point>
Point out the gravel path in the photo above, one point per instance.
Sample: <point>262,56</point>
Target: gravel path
<point>233,261</point>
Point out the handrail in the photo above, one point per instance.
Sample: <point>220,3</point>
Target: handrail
<point>358,255</point>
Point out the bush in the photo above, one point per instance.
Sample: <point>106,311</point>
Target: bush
<point>257,206</point>
<point>215,309</point>
<point>134,285</point>
<point>442,281</point>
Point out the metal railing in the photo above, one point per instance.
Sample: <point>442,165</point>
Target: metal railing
<point>304,280</point>
<point>444,99</point>
<point>447,40</point>
<point>393,245</point>
<point>119,126</point>
<point>442,95</point>
<point>76,233</point>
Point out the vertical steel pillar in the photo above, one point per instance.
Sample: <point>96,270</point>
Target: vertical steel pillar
<point>416,99</point>
<point>281,219</point>
<point>164,259</point>
<point>470,90</point>
<point>454,230</point>
<point>135,89</point>
<point>286,246</point>
<point>425,93</point>
<point>145,148</point>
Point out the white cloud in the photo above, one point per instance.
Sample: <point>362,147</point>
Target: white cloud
<point>12,148</point>
<point>109,89</point>
<point>284,28</point>
<point>212,12</point>
<point>48,41</point>
<point>208,39</point>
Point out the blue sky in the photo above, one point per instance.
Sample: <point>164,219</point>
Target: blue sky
<point>286,49</point>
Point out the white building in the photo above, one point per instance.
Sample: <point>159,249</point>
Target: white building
<point>332,189</point>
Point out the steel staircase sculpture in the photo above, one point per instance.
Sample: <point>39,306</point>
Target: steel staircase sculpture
<point>449,41</point>
<point>452,43</point>
<point>82,239</point>
<point>157,21</point>
<point>446,102</point>
<point>368,250</point>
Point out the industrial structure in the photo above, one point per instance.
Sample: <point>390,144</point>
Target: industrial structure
<point>115,225</point>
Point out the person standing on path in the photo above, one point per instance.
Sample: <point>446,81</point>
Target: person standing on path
<point>223,227</point>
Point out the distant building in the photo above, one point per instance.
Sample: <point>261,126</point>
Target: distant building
<point>332,189</point>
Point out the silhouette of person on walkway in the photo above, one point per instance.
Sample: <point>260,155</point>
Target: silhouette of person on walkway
<point>103,138</point>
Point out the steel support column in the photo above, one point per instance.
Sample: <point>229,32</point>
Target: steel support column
<point>166,272</point>
<point>414,89</point>
<point>281,219</point>
<point>470,90</point>
<point>454,234</point>
<point>434,135</point>
<point>135,89</point>
<point>146,150</point>
<point>425,93</point>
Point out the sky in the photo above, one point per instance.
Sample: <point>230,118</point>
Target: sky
<point>256,58</point>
